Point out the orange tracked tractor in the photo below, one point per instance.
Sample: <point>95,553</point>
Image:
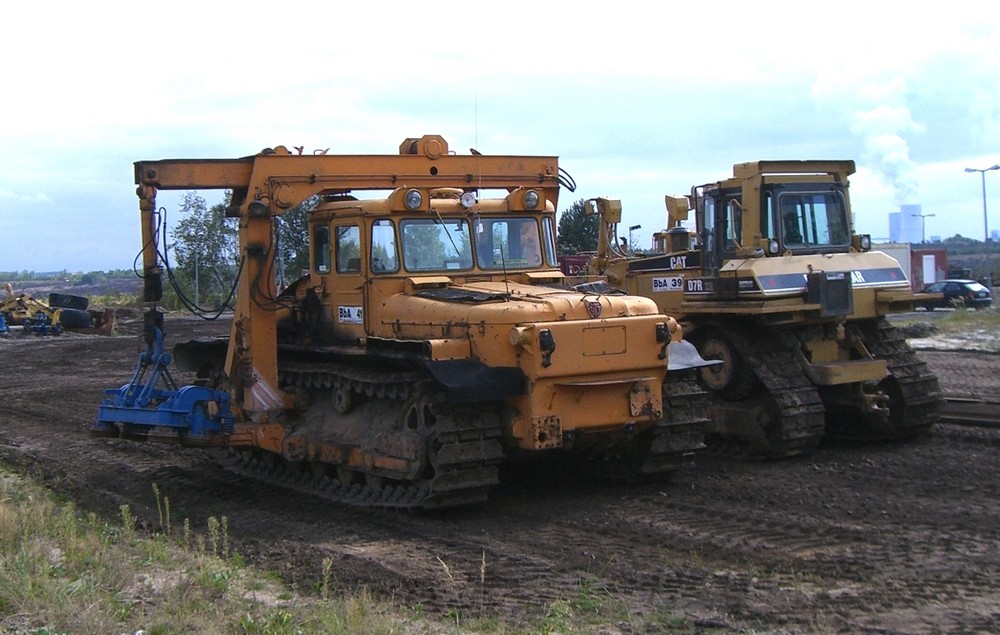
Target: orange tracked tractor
<point>776,284</point>
<point>429,341</point>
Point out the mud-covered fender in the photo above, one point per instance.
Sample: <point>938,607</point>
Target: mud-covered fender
<point>469,380</point>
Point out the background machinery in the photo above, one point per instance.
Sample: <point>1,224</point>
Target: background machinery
<point>775,282</point>
<point>61,312</point>
<point>428,342</point>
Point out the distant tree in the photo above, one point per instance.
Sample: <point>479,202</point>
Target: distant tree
<point>577,230</point>
<point>292,238</point>
<point>206,248</point>
<point>425,245</point>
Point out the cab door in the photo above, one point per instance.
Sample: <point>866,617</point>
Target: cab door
<point>708,236</point>
<point>345,285</point>
<point>721,227</point>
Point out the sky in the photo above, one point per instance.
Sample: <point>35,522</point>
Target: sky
<point>637,100</point>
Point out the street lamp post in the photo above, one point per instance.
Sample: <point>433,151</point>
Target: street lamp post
<point>923,226</point>
<point>982,173</point>
<point>630,230</point>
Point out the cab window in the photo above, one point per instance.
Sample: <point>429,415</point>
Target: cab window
<point>767,216</point>
<point>708,225</point>
<point>511,243</point>
<point>549,242</point>
<point>348,249</point>
<point>809,219</point>
<point>384,255</point>
<point>436,245</point>
<point>321,248</point>
<point>734,224</point>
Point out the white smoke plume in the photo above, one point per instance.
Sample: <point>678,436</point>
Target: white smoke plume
<point>883,121</point>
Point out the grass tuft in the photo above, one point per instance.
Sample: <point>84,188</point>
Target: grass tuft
<point>63,573</point>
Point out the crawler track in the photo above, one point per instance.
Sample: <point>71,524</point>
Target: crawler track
<point>914,390</point>
<point>461,444</point>
<point>455,482</point>
<point>464,447</point>
<point>785,415</point>
<point>799,423</point>
<point>670,446</point>
<point>680,434</point>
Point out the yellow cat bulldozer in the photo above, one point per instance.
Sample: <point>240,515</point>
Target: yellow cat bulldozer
<point>774,281</point>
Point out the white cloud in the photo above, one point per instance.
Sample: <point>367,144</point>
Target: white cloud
<point>638,100</point>
<point>7,196</point>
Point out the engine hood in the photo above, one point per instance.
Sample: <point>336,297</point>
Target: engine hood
<point>510,303</point>
<point>784,275</point>
<point>521,325</point>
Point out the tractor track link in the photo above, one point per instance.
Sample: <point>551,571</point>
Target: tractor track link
<point>923,399</point>
<point>369,382</point>
<point>680,435</point>
<point>801,415</point>
<point>462,445</point>
<point>790,417</point>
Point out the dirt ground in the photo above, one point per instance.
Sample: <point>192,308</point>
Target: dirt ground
<point>901,538</point>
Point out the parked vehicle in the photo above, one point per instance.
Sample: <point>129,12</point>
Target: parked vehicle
<point>775,282</point>
<point>957,293</point>
<point>420,348</point>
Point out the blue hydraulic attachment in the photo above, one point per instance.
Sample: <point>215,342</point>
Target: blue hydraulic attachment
<point>41,324</point>
<point>139,406</point>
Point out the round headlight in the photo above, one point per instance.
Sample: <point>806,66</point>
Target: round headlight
<point>531,199</point>
<point>866,242</point>
<point>413,199</point>
<point>257,209</point>
<point>773,246</point>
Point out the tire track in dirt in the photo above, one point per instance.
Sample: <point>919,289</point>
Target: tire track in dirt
<point>972,375</point>
<point>888,538</point>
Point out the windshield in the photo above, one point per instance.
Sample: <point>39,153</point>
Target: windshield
<point>510,243</point>
<point>445,244</point>
<point>436,244</point>
<point>813,219</point>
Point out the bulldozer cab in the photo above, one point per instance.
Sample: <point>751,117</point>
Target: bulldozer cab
<point>771,208</point>
<point>366,250</point>
<point>448,240</point>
